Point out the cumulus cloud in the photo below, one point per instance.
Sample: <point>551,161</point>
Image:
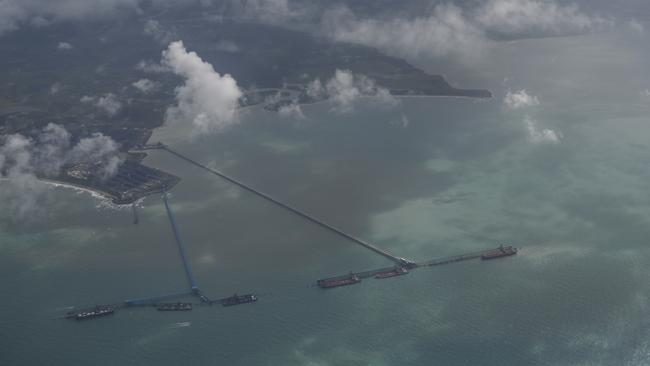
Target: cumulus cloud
<point>154,29</point>
<point>15,13</point>
<point>461,32</point>
<point>444,32</point>
<point>207,99</point>
<point>50,154</point>
<point>402,122</point>
<point>267,11</point>
<point>64,46</point>
<point>146,86</point>
<point>541,135</point>
<point>23,159</point>
<point>95,149</point>
<point>344,89</point>
<point>107,102</point>
<point>291,110</point>
<point>227,46</point>
<point>55,88</point>
<point>45,153</point>
<point>519,99</point>
<point>636,26</point>
<point>525,18</point>
<point>151,67</point>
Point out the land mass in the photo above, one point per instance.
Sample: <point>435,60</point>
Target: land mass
<point>42,84</point>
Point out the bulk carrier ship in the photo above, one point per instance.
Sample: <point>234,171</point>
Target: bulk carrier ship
<point>502,251</point>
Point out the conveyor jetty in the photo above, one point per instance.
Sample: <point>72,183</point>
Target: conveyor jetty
<point>400,267</point>
<point>386,272</point>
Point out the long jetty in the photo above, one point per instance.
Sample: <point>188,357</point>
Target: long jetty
<point>400,261</point>
<point>181,247</point>
<point>429,263</point>
<point>156,299</point>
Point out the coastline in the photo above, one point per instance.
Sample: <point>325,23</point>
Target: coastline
<point>93,192</point>
<point>399,96</point>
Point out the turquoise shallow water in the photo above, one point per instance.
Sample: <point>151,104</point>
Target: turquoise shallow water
<point>462,176</point>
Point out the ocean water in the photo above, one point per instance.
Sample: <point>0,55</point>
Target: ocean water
<point>429,178</point>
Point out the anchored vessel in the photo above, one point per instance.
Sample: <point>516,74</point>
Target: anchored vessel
<point>398,271</point>
<point>175,306</point>
<point>338,282</point>
<point>238,299</point>
<point>97,312</point>
<point>502,251</point>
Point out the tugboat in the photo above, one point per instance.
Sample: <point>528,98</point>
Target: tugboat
<point>97,312</point>
<point>238,299</point>
<point>502,251</point>
<point>397,271</point>
<point>353,279</point>
<point>174,306</point>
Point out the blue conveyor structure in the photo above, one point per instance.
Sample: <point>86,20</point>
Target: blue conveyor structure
<point>181,247</point>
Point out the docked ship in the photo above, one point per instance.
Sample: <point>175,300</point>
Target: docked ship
<point>174,306</point>
<point>96,312</point>
<point>502,251</point>
<point>238,299</point>
<point>338,282</point>
<point>397,271</point>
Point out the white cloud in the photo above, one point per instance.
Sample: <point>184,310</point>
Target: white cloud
<point>97,148</point>
<point>462,33</point>
<point>402,122</point>
<point>267,11</point>
<point>154,29</point>
<point>636,26</point>
<point>292,110</point>
<point>444,32</point>
<point>23,159</point>
<point>227,46</point>
<point>513,18</point>
<point>146,86</point>
<point>520,99</point>
<point>645,93</point>
<point>107,102</point>
<point>64,46</point>
<point>15,13</point>
<point>55,88</point>
<point>208,100</point>
<point>316,90</point>
<point>11,15</point>
<point>151,67</point>
<point>51,148</point>
<point>52,145</point>
<point>540,136</point>
<point>344,89</point>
